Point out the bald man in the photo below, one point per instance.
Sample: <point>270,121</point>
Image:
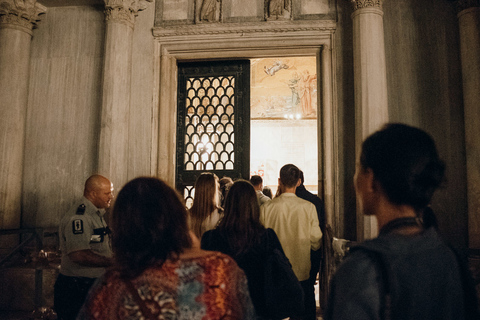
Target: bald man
<point>85,246</point>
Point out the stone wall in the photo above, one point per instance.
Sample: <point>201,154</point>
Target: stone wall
<point>425,90</point>
<point>64,109</point>
<point>64,102</point>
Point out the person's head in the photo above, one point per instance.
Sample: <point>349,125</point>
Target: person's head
<point>206,189</point>
<point>257,182</point>
<point>99,190</point>
<point>150,225</point>
<point>268,192</point>
<point>241,216</point>
<point>205,201</point>
<point>302,178</point>
<point>225,184</point>
<point>403,163</point>
<point>289,177</point>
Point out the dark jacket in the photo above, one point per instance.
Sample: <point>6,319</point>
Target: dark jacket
<point>419,277</point>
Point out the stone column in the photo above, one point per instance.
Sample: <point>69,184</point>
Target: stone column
<point>469,26</point>
<point>113,147</point>
<point>17,20</point>
<point>370,83</point>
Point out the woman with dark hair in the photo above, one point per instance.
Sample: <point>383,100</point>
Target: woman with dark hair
<point>205,212</point>
<point>160,272</point>
<point>241,235</point>
<point>225,184</point>
<point>407,272</point>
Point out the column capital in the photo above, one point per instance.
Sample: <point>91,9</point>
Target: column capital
<point>124,11</point>
<point>20,14</point>
<point>360,4</point>
<point>467,4</point>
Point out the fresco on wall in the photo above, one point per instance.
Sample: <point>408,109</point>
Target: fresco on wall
<point>284,88</point>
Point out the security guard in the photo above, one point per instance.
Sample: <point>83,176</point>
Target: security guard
<point>85,246</point>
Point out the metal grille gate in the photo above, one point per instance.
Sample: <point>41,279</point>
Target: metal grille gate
<point>213,122</point>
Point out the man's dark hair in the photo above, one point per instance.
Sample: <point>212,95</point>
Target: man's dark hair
<point>302,179</point>
<point>256,180</point>
<point>405,162</point>
<point>289,175</point>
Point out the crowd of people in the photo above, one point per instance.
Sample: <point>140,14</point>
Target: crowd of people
<point>216,260</point>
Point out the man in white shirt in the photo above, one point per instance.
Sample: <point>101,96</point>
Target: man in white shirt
<point>295,222</point>
<point>257,183</point>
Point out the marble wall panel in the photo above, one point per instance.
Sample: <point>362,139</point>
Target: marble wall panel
<point>175,10</point>
<point>63,112</point>
<point>315,6</point>
<point>246,8</point>
<point>142,108</point>
<point>424,89</point>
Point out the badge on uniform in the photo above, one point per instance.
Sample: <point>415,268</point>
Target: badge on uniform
<point>77,226</point>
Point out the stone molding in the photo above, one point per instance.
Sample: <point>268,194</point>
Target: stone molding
<point>361,4</point>
<point>124,11</point>
<point>467,4</point>
<point>243,29</point>
<point>20,14</point>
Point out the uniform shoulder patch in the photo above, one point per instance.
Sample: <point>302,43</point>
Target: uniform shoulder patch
<point>77,226</point>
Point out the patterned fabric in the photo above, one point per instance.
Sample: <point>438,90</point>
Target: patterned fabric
<point>207,287</point>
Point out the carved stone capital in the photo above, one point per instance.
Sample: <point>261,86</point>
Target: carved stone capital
<point>360,4</point>
<point>20,14</point>
<point>467,4</point>
<point>124,11</point>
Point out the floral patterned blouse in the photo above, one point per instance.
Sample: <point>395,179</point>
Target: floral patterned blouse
<point>206,287</point>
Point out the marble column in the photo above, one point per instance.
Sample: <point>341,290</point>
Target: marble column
<point>370,84</point>
<point>17,20</point>
<point>469,27</point>
<point>113,146</point>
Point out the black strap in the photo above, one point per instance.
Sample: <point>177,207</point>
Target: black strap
<point>141,303</point>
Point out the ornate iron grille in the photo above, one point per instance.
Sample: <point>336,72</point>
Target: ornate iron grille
<point>209,124</point>
<point>213,127</point>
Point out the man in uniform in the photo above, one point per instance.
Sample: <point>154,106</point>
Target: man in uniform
<point>85,246</point>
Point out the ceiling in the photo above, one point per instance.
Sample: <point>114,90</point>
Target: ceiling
<point>66,3</point>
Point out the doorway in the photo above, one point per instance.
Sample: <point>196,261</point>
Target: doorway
<point>247,117</point>
<point>283,118</point>
<point>288,40</point>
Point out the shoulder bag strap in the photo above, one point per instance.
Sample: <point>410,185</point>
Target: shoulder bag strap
<point>141,303</point>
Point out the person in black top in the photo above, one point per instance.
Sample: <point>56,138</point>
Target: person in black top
<point>315,256</point>
<point>241,236</point>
